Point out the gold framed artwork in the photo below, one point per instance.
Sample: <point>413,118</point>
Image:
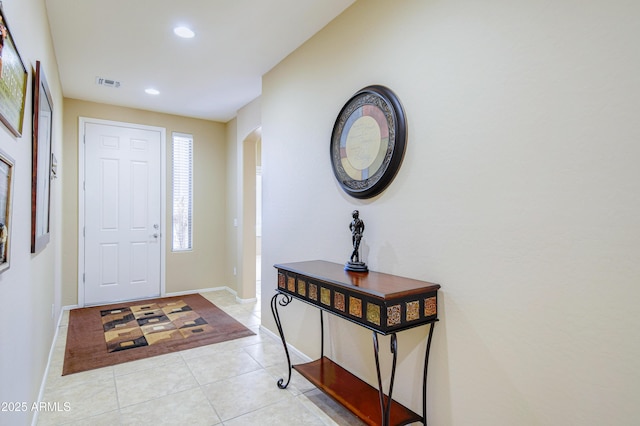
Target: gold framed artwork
<point>41,164</point>
<point>13,81</point>
<point>6,190</point>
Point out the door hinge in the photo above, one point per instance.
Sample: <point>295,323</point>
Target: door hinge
<point>83,277</point>
<point>84,231</point>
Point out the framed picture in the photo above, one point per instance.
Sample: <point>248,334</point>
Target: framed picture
<point>368,141</point>
<point>6,189</point>
<point>13,81</point>
<point>41,173</point>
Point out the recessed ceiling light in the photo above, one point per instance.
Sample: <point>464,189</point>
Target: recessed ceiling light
<point>152,91</point>
<point>184,32</point>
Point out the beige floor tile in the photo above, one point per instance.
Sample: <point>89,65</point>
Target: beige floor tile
<point>253,339</point>
<point>55,381</point>
<point>56,364</point>
<point>253,307</point>
<point>147,363</point>
<point>233,380</point>
<point>213,368</point>
<point>79,400</point>
<point>223,347</point>
<point>107,419</point>
<point>268,353</point>
<point>286,412</point>
<point>244,317</point>
<point>243,394</point>
<point>213,349</point>
<point>297,384</point>
<point>146,385</point>
<point>259,331</point>
<point>221,298</point>
<point>189,407</point>
<point>57,355</point>
<point>55,369</point>
<point>64,320</point>
<point>62,335</point>
<point>242,308</point>
<point>327,409</point>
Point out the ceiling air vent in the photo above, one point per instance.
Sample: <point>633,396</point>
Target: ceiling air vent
<point>107,82</point>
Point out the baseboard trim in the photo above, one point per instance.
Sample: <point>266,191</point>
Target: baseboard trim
<point>67,308</point>
<point>205,290</point>
<point>253,300</point>
<point>200,290</point>
<point>43,383</point>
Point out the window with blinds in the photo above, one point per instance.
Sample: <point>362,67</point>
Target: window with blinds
<point>182,192</point>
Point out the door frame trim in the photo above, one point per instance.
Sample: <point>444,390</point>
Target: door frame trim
<point>81,196</point>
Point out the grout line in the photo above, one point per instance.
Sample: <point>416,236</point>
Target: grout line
<point>115,386</point>
<point>258,328</point>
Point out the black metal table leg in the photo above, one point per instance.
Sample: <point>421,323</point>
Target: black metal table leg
<point>385,409</point>
<point>321,335</point>
<point>424,379</point>
<point>286,299</point>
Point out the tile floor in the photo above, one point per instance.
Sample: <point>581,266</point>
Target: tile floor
<point>229,383</point>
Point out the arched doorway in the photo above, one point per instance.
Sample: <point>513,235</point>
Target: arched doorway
<point>248,232</point>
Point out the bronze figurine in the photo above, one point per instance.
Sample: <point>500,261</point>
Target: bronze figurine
<point>357,228</point>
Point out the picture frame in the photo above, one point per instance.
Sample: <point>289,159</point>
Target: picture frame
<point>368,141</point>
<point>6,193</point>
<point>13,81</point>
<point>41,161</point>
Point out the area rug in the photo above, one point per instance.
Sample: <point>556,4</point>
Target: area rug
<point>107,335</point>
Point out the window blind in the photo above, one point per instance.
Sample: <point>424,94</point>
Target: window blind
<point>182,192</point>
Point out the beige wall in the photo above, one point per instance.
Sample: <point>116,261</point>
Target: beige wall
<point>204,267</point>
<point>232,204</point>
<point>30,289</point>
<point>243,134</point>
<point>519,194</point>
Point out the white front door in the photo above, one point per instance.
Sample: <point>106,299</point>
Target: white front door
<point>122,212</point>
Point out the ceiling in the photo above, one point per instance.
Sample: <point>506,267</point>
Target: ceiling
<point>209,76</point>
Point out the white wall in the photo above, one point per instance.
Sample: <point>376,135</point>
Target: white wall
<point>519,194</point>
<point>32,284</point>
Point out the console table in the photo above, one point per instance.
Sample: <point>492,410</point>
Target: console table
<point>383,303</point>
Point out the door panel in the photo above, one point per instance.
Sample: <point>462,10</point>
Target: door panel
<point>122,213</point>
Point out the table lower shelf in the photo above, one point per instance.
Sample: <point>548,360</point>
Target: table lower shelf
<point>356,395</point>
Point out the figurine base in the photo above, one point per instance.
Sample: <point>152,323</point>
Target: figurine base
<point>356,266</point>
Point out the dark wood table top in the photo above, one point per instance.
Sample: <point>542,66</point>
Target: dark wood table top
<point>377,284</point>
